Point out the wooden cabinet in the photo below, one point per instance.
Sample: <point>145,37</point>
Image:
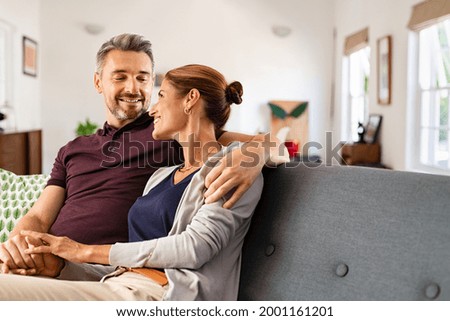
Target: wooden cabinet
<point>361,154</point>
<point>21,152</point>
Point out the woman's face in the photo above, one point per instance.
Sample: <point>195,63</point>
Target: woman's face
<point>168,113</point>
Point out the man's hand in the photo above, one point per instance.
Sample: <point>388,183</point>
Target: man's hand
<point>244,166</point>
<point>52,264</point>
<point>44,264</point>
<point>13,256</point>
<point>238,171</point>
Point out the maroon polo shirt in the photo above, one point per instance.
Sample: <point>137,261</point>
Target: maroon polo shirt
<point>103,174</point>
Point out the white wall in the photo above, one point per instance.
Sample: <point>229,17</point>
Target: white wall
<point>383,17</point>
<point>231,35</point>
<point>24,17</point>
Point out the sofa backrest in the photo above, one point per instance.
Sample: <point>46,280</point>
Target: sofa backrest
<point>348,233</point>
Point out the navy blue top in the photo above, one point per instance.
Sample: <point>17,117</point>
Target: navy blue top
<point>152,215</point>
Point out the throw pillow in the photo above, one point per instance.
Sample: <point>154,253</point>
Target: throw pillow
<point>17,195</point>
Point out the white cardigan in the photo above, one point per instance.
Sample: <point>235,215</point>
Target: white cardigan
<point>202,253</point>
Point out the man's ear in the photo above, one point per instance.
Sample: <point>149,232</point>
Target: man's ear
<point>98,83</point>
<point>192,97</point>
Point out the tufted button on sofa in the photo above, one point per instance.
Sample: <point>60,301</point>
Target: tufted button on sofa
<point>348,233</point>
<point>342,270</point>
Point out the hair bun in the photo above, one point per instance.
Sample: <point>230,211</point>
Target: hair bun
<point>234,92</point>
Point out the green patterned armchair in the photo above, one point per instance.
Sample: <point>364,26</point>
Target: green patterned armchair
<point>17,194</point>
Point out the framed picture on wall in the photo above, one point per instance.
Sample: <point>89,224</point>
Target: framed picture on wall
<point>373,128</point>
<point>29,50</point>
<point>384,70</point>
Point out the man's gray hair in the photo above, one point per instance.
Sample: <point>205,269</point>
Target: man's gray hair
<point>124,42</point>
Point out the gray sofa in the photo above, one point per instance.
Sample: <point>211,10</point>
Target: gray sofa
<point>348,233</point>
<point>326,233</point>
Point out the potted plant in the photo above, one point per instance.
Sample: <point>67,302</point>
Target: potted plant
<point>86,128</point>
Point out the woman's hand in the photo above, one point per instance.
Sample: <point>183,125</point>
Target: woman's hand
<point>60,246</point>
<point>66,248</point>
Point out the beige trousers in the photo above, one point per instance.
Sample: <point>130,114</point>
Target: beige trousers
<point>127,286</point>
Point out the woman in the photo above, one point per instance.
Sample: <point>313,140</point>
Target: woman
<point>180,248</point>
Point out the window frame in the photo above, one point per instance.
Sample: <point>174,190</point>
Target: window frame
<point>416,92</point>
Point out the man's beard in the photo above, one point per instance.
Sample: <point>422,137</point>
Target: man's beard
<point>122,115</point>
<point>131,114</point>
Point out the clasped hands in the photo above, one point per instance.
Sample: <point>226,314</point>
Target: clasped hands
<point>29,254</point>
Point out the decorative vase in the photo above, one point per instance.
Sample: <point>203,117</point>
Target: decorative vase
<point>292,147</point>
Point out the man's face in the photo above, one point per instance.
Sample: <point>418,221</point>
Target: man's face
<point>126,83</point>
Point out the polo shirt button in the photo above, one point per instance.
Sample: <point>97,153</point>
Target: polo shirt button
<point>270,249</point>
<point>342,270</point>
<point>432,291</point>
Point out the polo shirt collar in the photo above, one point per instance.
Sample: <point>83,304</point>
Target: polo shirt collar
<point>108,130</point>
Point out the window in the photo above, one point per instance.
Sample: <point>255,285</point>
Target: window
<point>357,65</point>
<point>355,83</point>
<point>359,69</point>
<point>434,90</point>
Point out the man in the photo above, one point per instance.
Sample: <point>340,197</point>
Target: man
<point>95,179</point>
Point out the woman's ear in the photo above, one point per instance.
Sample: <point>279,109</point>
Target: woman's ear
<point>192,97</point>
